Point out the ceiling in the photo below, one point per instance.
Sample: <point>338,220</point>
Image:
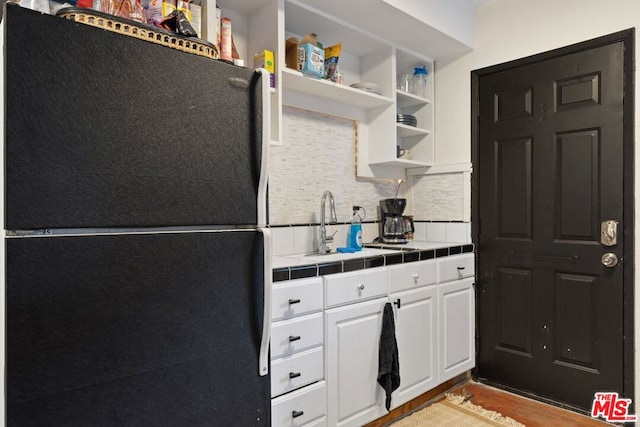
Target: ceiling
<point>478,3</point>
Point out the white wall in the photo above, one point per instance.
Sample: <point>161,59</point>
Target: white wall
<point>512,29</point>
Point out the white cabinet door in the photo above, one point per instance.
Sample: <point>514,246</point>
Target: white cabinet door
<point>353,335</point>
<point>456,312</point>
<point>417,337</point>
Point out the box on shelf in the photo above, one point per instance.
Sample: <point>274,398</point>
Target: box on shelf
<point>226,46</point>
<point>313,56</point>
<point>266,60</point>
<point>193,12</point>
<point>294,55</point>
<point>217,25</point>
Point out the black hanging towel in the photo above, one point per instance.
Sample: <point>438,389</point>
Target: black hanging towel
<point>388,366</point>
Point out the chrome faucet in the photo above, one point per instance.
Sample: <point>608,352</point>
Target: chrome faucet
<point>324,239</point>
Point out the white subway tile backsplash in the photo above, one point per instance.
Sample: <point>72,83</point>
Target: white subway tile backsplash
<point>318,154</point>
<point>457,232</point>
<point>436,232</point>
<point>370,231</point>
<point>420,232</point>
<point>282,241</point>
<point>306,239</point>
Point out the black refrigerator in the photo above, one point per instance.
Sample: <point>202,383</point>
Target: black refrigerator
<point>136,261</point>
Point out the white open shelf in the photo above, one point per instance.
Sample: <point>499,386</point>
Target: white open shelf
<point>406,99</point>
<point>401,163</point>
<point>405,131</point>
<point>295,80</point>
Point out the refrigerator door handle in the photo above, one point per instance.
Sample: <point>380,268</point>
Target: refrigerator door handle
<point>266,323</point>
<point>266,137</point>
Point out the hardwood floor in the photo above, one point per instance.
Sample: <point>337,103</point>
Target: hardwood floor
<point>527,411</point>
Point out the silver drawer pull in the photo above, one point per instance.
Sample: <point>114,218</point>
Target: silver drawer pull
<point>361,287</point>
<point>416,277</point>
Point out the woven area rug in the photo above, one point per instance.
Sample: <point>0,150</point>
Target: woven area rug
<point>455,411</point>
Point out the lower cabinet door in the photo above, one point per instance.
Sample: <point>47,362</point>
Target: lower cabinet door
<point>416,334</point>
<point>353,336</point>
<point>456,312</point>
<point>304,407</point>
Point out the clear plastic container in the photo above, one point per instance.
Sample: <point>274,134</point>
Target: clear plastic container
<point>419,84</point>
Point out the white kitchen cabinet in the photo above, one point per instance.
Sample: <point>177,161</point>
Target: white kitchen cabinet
<point>354,396</point>
<point>456,267</point>
<point>456,315</point>
<point>297,334</point>
<point>413,275</point>
<point>297,353</point>
<point>304,407</point>
<point>417,336</point>
<point>296,297</point>
<point>456,328</point>
<point>348,288</point>
<point>292,372</point>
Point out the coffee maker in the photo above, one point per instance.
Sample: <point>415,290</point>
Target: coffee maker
<point>392,223</point>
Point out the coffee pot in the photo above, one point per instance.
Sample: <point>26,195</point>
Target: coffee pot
<point>392,228</point>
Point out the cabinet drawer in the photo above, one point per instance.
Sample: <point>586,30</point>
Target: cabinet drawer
<point>296,297</point>
<point>294,335</point>
<point>412,275</point>
<point>292,372</point>
<point>456,267</point>
<point>356,286</point>
<point>311,401</point>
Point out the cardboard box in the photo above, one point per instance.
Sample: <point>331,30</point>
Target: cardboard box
<point>294,56</point>
<point>267,61</point>
<point>313,60</point>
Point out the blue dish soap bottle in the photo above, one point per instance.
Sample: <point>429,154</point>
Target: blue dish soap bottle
<point>355,230</point>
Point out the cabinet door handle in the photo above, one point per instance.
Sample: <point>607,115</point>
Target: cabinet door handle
<point>293,338</point>
<point>398,303</point>
<point>296,414</point>
<point>416,277</point>
<point>294,301</point>
<point>294,375</point>
<point>361,287</point>
<point>460,268</point>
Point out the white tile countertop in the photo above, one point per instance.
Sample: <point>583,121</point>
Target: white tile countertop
<point>316,258</point>
<point>291,266</point>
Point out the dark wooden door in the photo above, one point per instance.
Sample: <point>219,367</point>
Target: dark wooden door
<point>550,163</point>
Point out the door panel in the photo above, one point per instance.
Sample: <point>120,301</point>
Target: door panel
<point>513,164</point>
<point>550,164</point>
<point>514,287</point>
<point>576,192</point>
